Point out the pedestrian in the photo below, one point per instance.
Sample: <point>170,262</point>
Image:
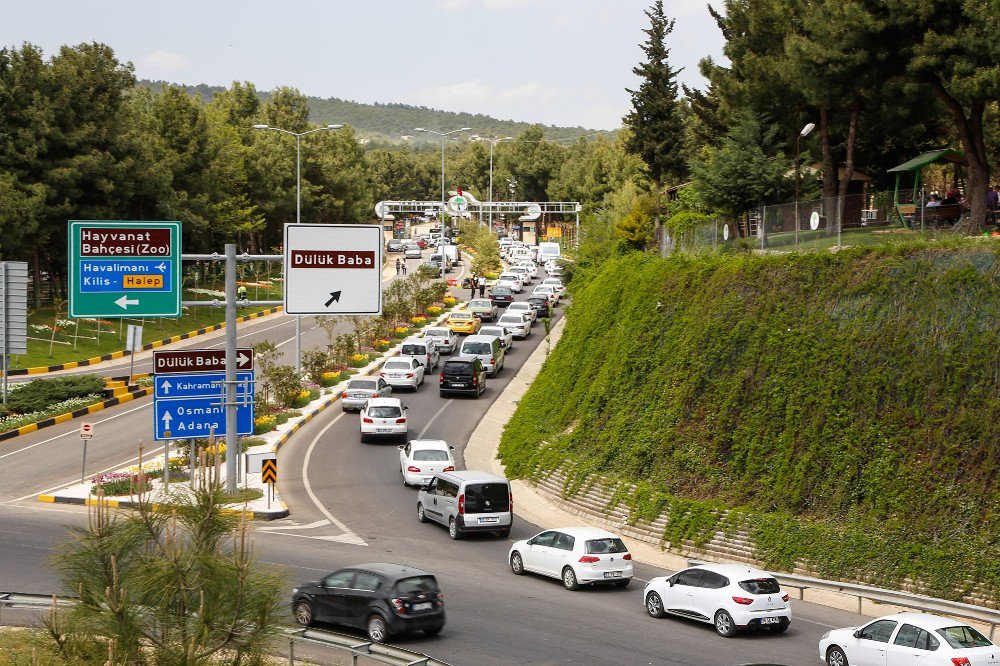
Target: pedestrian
<point>397,266</point>
<point>241,293</point>
<point>404,268</point>
<point>472,288</point>
<point>482,286</point>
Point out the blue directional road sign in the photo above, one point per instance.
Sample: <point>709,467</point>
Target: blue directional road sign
<point>199,385</point>
<point>198,417</point>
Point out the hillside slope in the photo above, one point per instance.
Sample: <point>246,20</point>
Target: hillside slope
<point>848,405</point>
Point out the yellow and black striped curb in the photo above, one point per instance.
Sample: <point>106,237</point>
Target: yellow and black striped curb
<point>127,504</point>
<point>151,345</point>
<point>83,411</point>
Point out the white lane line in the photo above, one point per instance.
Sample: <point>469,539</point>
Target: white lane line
<point>350,538</point>
<point>73,432</point>
<point>799,618</point>
<point>436,414</point>
<point>293,566</point>
<point>309,491</point>
<point>278,528</point>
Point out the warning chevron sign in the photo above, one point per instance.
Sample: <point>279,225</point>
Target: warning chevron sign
<point>269,470</point>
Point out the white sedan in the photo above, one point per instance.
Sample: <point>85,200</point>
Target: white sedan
<point>512,280</point>
<point>554,282</point>
<point>421,459</point>
<point>522,307</point>
<point>506,339</point>
<point>400,372</point>
<point>383,418</point>
<point>517,323</point>
<point>906,639</point>
<point>575,555</point>
<point>548,292</point>
<point>729,596</point>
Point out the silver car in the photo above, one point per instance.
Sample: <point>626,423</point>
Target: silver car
<point>359,390</point>
<point>412,251</point>
<point>467,501</point>
<point>442,337</point>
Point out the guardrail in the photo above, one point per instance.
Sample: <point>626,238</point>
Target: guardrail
<point>918,602</point>
<point>380,652</point>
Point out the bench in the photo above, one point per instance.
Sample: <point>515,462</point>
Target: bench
<point>949,214</point>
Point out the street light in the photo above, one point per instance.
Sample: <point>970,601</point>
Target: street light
<point>443,135</point>
<point>512,185</point>
<point>493,142</point>
<point>798,176</point>
<point>298,212</point>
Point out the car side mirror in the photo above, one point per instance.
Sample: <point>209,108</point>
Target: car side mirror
<point>400,447</point>
<point>405,407</point>
<point>671,581</point>
<point>857,633</point>
<point>452,448</point>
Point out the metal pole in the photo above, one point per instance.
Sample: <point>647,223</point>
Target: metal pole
<point>576,240</point>
<point>6,290</point>
<point>232,454</point>
<point>131,355</point>
<point>166,464</point>
<point>840,199</point>
<point>491,187</point>
<point>298,219</point>
<point>442,185</point>
<point>83,468</point>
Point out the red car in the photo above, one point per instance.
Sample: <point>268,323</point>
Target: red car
<point>422,243</point>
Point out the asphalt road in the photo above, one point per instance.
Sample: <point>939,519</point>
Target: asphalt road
<point>349,506</point>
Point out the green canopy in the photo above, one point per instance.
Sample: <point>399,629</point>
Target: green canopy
<point>919,162</point>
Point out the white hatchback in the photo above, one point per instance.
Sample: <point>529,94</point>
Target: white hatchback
<point>524,308</point>
<point>404,371</point>
<point>383,418</point>
<point>908,638</point>
<point>729,596</point>
<point>575,555</point>
<point>512,280</point>
<point>554,282</point>
<point>548,292</point>
<point>506,339</point>
<point>421,459</point>
<point>517,323</point>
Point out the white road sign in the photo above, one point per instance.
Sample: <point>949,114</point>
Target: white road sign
<point>333,269</point>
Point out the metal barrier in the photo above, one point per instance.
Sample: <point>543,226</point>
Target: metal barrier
<point>918,602</point>
<point>380,652</point>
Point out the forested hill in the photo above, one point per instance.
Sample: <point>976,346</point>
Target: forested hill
<point>392,121</point>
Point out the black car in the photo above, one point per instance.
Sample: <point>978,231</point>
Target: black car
<point>382,599</point>
<point>501,296</point>
<point>463,375</point>
<point>540,305</point>
<point>395,245</point>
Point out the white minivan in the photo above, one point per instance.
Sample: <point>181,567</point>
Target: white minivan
<point>467,501</point>
<point>487,348</point>
<point>421,349</point>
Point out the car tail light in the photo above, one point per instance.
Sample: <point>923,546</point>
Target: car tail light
<point>461,504</point>
<point>344,394</point>
<point>441,376</point>
<point>493,361</point>
<point>367,420</point>
<point>743,601</point>
<point>961,661</point>
<point>397,605</point>
<point>449,468</point>
<point>440,596</point>
<point>402,419</point>
<point>627,556</point>
<point>510,501</point>
<point>411,468</point>
<point>475,378</point>
<point>784,597</point>
<point>381,374</point>
<point>409,375</point>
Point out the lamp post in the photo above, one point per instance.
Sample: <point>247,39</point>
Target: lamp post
<point>443,136</point>
<point>511,186</point>
<point>798,176</point>
<point>493,142</point>
<point>298,212</point>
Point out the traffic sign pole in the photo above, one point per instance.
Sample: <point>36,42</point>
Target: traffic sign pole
<point>232,453</point>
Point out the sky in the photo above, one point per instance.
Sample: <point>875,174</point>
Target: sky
<point>559,62</point>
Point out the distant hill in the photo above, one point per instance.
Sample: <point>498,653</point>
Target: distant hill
<point>392,121</point>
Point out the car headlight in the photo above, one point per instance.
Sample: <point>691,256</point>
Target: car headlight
<point>295,590</point>
<point>825,636</point>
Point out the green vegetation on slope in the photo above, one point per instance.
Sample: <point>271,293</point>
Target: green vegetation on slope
<point>847,405</point>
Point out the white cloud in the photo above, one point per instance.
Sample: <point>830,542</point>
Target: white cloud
<point>458,5</point>
<point>164,62</point>
<point>477,97</point>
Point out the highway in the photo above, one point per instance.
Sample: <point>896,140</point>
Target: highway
<point>349,506</point>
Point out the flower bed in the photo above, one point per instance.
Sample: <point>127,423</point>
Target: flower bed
<point>263,424</point>
<point>418,320</point>
<point>434,310</point>
<point>359,360</point>
<point>331,378</point>
<point>120,483</point>
<point>381,344</point>
<point>400,332</point>
<point>449,301</point>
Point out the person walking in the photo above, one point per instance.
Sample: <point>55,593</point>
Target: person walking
<point>482,286</point>
<point>397,266</point>
<point>241,293</point>
<point>404,267</point>
<point>472,288</point>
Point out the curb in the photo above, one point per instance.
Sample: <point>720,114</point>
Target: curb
<point>83,411</point>
<point>126,504</point>
<point>69,365</point>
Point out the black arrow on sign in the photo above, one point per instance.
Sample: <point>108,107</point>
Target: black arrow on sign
<point>334,296</point>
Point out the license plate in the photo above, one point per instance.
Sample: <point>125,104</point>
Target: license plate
<point>426,605</point>
<point>383,429</point>
<point>489,520</point>
<point>770,620</point>
<point>612,574</point>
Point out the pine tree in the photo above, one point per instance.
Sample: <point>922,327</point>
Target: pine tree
<point>655,119</point>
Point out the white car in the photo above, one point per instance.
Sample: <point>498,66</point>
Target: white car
<point>521,271</point>
<point>412,251</point>
<point>518,324</point>
<point>554,282</point>
<point>421,459</point>
<point>576,555</point>
<point>512,280</point>
<point>529,266</point>
<point>402,372</point>
<point>506,339</point>
<point>444,339</point>
<point>383,418</point>
<point>523,308</point>
<point>729,596</point>
<point>906,639</point>
<point>548,292</point>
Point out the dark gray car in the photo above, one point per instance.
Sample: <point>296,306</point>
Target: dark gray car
<point>359,390</point>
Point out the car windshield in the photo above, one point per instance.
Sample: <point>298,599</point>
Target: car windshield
<point>476,348</point>
<point>492,330</point>
<point>458,368</point>
<point>609,545</point>
<point>430,455</point>
<point>413,350</point>
<point>537,301</point>
<point>761,586</point>
<point>519,306</point>
<point>384,412</point>
<point>480,304</point>
<point>361,385</point>
<point>397,365</point>
<point>408,587</point>
<point>963,636</point>
<point>437,333</point>
<point>461,315</point>
<point>487,498</point>
<point>500,290</point>
<point>511,319</point>
<point>511,278</point>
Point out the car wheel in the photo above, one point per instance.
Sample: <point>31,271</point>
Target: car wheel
<point>724,624</point>
<point>364,438</point>
<point>779,628</point>
<point>504,533</point>
<point>654,605</point>
<point>402,475</point>
<point>303,612</point>
<point>377,630</point>
<point>441,394</point>
<point>623,582</point>
<point>453,530</point>
<point>569,579</point>
<point>517,564</point>
<point>433,631</point>
<point>835,657</point>
<point>421,516</point>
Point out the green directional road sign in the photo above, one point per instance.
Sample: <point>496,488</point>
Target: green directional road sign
<point>124,269</point>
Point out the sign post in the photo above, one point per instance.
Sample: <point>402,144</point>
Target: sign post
<point>333,269</point>
<point>269,475</point>
<point>86,434</point>
<point>13,314</point>
<point>124,269</point>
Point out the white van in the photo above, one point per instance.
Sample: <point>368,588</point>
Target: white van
<point>421,349</point>
<point>487,348</point>
<point>548,251</point>
<point>467,501</point>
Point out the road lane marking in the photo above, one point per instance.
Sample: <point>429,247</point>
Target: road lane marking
<point>293,566</point>
<point>278,528</point>
<point>73,432</point>
<point>355,539</point>
<point>436,414</point>
<point>350,538</point>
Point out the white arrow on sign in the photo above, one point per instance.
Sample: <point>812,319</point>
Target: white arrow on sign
<point>125,301</point>
<point>166,386</point>
<point>242,359</point>
<point>166,418</point>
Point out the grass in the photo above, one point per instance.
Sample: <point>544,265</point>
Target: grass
<point>243,495</point>
<point>866,236</point>
<point>98,337</point>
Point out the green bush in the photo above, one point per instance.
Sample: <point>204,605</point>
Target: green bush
<point>286,384</point>
<point>41,393</point>
<point>846,404</point>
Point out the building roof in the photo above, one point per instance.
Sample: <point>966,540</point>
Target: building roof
<point>931,156</point>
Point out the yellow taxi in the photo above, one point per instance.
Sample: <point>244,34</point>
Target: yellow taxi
<point>464,321</point>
